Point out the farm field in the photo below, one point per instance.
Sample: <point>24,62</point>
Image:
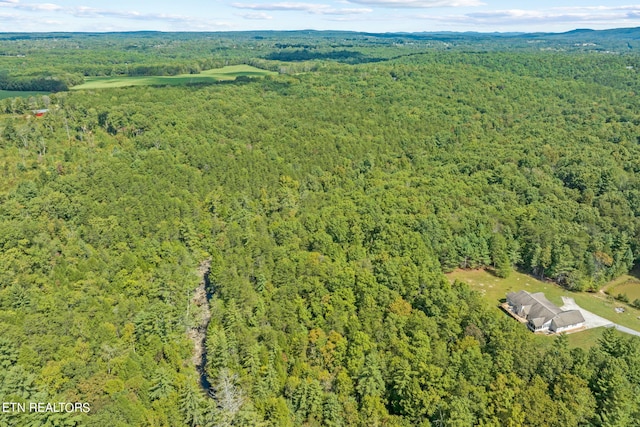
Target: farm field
<point>17,93</point>
<point>495,289</point>
<point>209,76</point>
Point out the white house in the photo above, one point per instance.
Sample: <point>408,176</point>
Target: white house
<point>541,314</point>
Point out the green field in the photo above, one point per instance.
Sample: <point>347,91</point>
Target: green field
<point>629,287</point>
<point>209,76</point>
<point>627,284</point>
<point>19,94</point>
<point>495,289</point>
<point>584,339</point>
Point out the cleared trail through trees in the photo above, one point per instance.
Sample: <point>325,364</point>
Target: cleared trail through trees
<point>198,332</point>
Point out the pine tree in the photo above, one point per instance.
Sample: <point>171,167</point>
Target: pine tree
<point>191,405</point>
<point>332,412</point>
<point>500,256</point>
<point>161,384</point>
<point>370,381</point>
<point>611,342</point>
<point>613,394</point>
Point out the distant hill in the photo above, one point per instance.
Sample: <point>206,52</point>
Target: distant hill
<point>612,39</point>
<point>618,39</point>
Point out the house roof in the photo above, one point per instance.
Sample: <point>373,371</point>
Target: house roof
<point>539,310</point>
<point>519,298</point>
<point>568,318</point>
<point>538,321</point>
<point>535,306</point>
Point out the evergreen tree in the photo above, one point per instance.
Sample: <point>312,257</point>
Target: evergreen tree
<point>499,256</point>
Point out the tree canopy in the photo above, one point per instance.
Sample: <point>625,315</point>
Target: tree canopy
<point>330,203</point>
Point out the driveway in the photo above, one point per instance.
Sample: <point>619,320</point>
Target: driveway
<point>593,320</point>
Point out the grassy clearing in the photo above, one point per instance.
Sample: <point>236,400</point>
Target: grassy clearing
<point>209,76</point>
<point>19,94</point>
<point>627,284</point>
<point>495,289</point>
<point>630,288</point>
<point>585,339</point>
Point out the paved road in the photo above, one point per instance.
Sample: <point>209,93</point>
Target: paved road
<point>593,320</point>
<point>626,330</point>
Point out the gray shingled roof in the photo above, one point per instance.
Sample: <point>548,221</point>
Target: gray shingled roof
<point>539,310</point>
<point>536,306</point>
<point>520,298</point>
<point>538,321</point>
<point>567,318</point>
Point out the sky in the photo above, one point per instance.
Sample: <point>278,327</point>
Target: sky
<point>355,15</point>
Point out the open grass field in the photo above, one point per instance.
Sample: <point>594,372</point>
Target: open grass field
<point>495,289</point>
<point>209,76</point>
<point>630,288</point>
<point>19,94</point>
<point>628,284</point>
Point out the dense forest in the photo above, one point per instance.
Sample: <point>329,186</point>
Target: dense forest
<point>57,61</point>
<point>329,200</point>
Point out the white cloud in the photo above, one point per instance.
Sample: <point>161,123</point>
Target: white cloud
<point>616,16</point>
<point>348,11</point>
<point>8,17</point>
<point>419,4</point>
<point>317,9</point>
<point>601,8</point>
<point>91,12</point>
<point>29,17</point>
<point>409,15</point>
<point>24,23</point>
<point>15,4</point>
<point>256,16</point>
<point>42,6</point>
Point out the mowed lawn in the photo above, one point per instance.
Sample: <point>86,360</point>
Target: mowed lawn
<point>209,76</point>
<point>584,339</point>
<point>19,94</point>
<point>495,289</point>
